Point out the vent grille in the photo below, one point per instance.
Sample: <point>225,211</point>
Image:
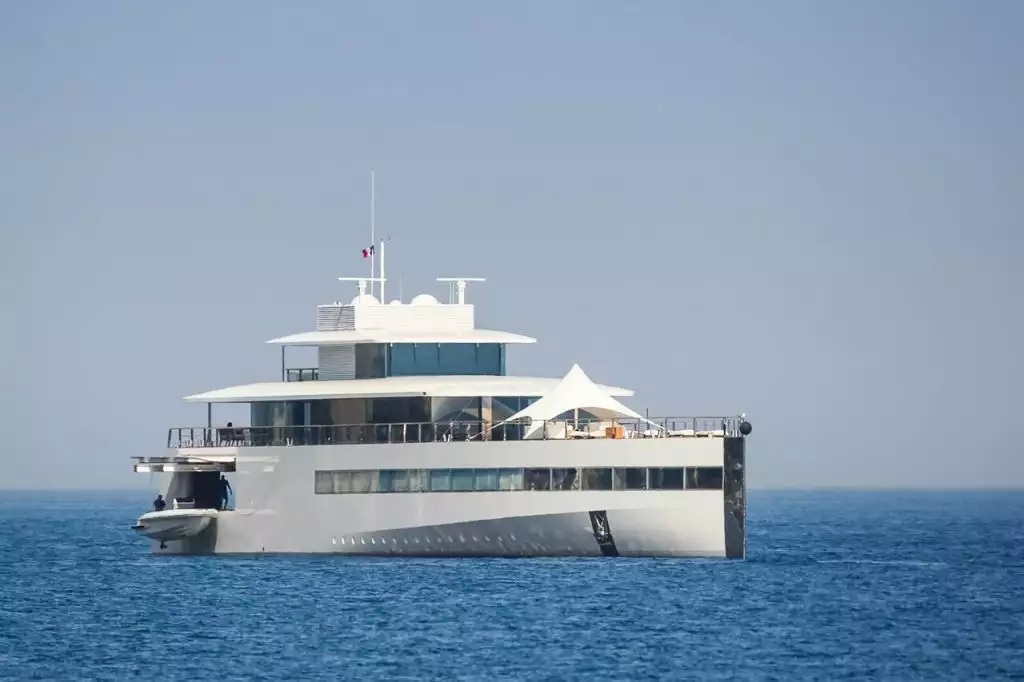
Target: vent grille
<point>337,362</point>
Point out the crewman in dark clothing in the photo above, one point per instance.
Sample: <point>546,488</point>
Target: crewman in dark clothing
<point>225,492</point>
<point>159,504</point>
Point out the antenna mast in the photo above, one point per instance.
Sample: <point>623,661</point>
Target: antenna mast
<point>373,228</point>
<point>457,287</point>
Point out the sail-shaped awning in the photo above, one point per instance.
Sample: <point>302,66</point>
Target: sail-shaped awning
<point>576,392</point>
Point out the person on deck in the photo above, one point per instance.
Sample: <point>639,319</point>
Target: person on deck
<point>225,492</point>
<point>159,504</point>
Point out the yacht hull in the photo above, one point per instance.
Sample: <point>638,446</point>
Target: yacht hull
<point>277,510</point>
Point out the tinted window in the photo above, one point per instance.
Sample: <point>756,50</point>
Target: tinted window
<point>668,478</point>
<point>431,359</point>
<point>597,479</point>
<point>704,478</point>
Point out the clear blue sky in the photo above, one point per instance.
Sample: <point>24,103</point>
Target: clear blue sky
<point>807,211</point>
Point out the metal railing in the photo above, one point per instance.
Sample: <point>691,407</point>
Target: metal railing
<point>302,374</point>
<point>438,432</point>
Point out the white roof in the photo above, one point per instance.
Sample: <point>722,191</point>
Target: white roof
<point>576,391</point>
<point>345,336</point>
<point>390,387</point>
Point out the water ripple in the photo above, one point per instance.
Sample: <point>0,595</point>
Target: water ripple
<point>838,586</point>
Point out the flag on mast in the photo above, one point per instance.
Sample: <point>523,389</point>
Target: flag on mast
<point>367,252</point>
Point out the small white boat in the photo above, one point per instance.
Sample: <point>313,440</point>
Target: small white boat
<point>174,524</point>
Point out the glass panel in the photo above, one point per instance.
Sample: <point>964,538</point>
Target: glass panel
<point>440,480</point>
<point>618,479</point>
<point>363,481</point>
<point>565,479</point>
<point>446,410</point>
<point>669,478</point>
<point>462,479</point>
<point>704,478</point>
<point>510,479</point>
<point>485,479</point>
<point>393,481</point>
<point>489,359</point>
<point>342,481</point>
<point>370,360</point>
<point>419,480</point>
<point>323,483</point>
<point>537,479</point>
<point>413,359</point>
<point>636,479</point>
<point>399,411</point>
<point>597,479</point>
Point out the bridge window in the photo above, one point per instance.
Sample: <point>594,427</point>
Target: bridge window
<point>432,359</point>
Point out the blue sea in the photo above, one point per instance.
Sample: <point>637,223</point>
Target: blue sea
<point>838,585</point>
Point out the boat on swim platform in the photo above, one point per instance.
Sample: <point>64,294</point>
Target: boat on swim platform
<point>174,524</point>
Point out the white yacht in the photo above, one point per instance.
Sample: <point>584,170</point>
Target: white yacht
<point>410,439</point>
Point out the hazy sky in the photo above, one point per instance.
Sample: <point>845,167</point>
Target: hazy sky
<point>807,211</point>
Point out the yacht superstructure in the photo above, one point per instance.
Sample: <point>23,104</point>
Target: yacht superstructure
<point>409,438</point>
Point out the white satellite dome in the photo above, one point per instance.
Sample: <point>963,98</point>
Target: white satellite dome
<point>423,299</point>
<point>395,302</point>
<point>364,299</point>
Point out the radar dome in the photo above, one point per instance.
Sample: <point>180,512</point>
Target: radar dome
<point>395,302</point>
<point>364,299</point>
<point>423,299</point>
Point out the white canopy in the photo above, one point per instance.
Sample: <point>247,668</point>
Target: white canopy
<point>576,392</point>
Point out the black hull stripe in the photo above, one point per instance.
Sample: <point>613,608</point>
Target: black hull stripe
<point>603,533</point>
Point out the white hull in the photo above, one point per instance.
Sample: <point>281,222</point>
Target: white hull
<point>174,524</point>
<point>278,512</point>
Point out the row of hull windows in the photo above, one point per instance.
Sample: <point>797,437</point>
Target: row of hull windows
<point>488,480</point>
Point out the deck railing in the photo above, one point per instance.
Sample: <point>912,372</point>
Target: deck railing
<point>436,432</point>
<point>302,374</point>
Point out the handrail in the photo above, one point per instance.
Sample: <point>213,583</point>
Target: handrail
<point>302,374</point>
<point>431,432</point>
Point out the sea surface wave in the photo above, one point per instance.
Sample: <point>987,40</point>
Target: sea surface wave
<point>839,585</point>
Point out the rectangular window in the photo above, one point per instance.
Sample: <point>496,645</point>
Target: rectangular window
<point>369,360</point>
<point>668,478</point>
<point>537,479</point>
<point>636,478</point>
<point>485,479</point>
<point>394,481</point>
<point>565,479</point>
<point>704,478</point>
<point>323,482</point>
<point>510,479</point>
<point>419,480</point>
<point>363,481</point>
<point>597,479</point>
<point>440,480</point>
<point>462,480</point>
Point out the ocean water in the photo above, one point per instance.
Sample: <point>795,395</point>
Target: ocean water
<point>839,585</point>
